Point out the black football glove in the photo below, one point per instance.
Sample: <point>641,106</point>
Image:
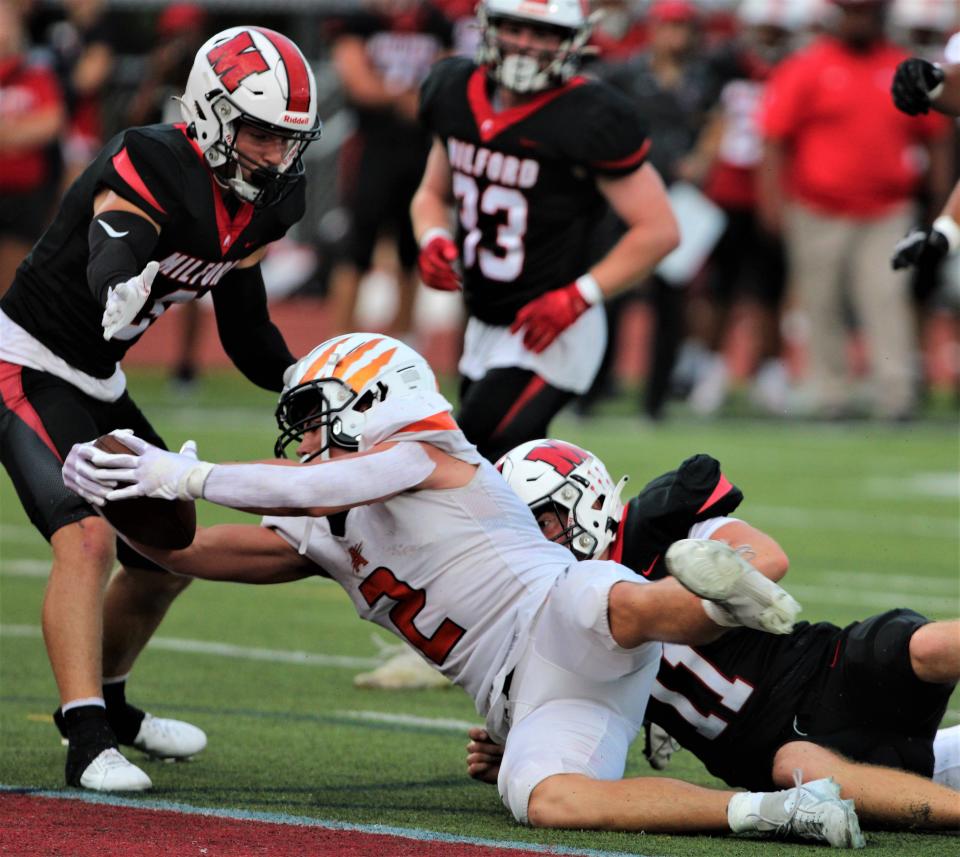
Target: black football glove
<point>920,245</point>
<point>913,83</point>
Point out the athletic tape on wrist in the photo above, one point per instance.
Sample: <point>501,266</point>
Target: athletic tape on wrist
<point>435,232</point>
<point>589,289</point>
<point>949,229</point>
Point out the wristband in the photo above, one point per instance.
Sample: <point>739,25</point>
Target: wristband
<point>937,91</point>
<point>949,229</point>
<point>434,232</point>
<point>589,289</point>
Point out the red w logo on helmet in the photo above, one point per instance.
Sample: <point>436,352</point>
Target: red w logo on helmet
<point>236,60</point>
<point>562,457</point>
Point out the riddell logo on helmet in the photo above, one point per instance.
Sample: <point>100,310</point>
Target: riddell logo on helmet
<point>296,120</point>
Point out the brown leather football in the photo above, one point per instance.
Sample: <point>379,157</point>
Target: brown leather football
<point>168,524</point>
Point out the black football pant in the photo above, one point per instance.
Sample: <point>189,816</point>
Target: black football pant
<point>507,407</point>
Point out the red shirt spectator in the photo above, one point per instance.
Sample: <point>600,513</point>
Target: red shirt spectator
<point>26,91</point>
<point>851,151</point>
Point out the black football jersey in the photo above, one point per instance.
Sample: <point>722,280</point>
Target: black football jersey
<point>737,695</point>
<point>524,179</point>
<point>202,238</point>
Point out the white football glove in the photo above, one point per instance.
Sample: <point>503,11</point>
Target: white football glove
<point>126,299</point>
<point>82,475</point>
<point>153,472</point>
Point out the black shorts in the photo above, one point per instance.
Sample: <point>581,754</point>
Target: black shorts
<point>383,180</point>
<point>507,407</point>
<point>25,215</point>
<point>41,418</point>
<point>868,705</point>
<point>748,260</point>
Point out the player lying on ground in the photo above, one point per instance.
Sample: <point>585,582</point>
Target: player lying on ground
<point>851,703</point>
<point>392,502</point>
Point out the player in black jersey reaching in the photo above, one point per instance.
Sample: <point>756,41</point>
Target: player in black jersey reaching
<point>854,703</point>
<point>531,155</point>
<point>165,214</point>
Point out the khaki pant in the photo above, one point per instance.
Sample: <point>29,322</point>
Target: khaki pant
<point>833,257</point>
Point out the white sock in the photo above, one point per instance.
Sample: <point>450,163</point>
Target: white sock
<point>946,755</point>
<point>743,811</point>
<point>88,700</point>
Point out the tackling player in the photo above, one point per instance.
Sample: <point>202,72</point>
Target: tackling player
<point>851,703</point>
<point>531,155</point>
<point>393,503</point>
<point>165,214</point>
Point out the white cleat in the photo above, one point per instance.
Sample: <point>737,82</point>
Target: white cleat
<point>714,571</point>
<point>811,810</point>
<point>169,739</point>
<point>405,670</point>
<point>111,772</point>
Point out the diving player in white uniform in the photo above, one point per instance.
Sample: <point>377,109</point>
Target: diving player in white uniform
<point>392,502</point>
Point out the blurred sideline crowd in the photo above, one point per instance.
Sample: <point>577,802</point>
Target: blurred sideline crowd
<point>791,172</point>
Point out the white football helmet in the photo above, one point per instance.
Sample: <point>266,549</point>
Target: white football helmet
<point>941,16</point>
<point>558,476</point>
<point>533,71</point>
<point>257,77</point>
<point>337,383</point>
<point>789,15</point>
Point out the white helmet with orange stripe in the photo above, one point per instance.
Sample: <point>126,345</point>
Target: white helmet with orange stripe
<point>340,381</point>
<point>257,77</point>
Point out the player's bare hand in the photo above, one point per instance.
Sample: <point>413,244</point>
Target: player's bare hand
<point>438,254</point>
<point>483,756</point>
<point>126,299</point>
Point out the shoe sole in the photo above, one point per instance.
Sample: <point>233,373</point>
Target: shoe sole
<point>709,568</point>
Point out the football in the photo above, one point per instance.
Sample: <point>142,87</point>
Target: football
<point>167,524</point>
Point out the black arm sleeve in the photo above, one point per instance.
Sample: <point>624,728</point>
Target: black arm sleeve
<point>248,336</point>
<point>120,246</point>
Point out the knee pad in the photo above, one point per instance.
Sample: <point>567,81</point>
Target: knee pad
<point>517,781</point>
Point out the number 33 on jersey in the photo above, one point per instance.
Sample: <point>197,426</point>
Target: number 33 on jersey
<point>524,179</point>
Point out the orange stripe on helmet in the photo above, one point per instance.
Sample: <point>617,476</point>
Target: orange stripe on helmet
<point>321,361</point>
<point>359,378</point>
<point>353,356</point>
<point>438,422</point>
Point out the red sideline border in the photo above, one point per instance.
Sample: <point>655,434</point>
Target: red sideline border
<point>36,823</point>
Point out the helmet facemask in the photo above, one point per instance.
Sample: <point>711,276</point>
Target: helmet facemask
<point>264,185</point>
<point>324,404</point>
<point>529,70</point>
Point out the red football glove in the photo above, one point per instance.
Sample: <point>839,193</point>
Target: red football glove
<point>547,316</point>
<point>435,262</point>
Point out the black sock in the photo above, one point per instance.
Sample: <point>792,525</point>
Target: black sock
<point>89,734</point>
<point>125,719</point>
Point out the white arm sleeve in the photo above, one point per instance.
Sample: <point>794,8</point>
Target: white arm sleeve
<point>341,482</point>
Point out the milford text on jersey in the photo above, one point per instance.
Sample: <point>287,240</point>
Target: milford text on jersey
<point>497,167</point>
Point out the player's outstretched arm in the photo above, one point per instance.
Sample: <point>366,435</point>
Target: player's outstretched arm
<point>238,553</point>
<point>277,487</point>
